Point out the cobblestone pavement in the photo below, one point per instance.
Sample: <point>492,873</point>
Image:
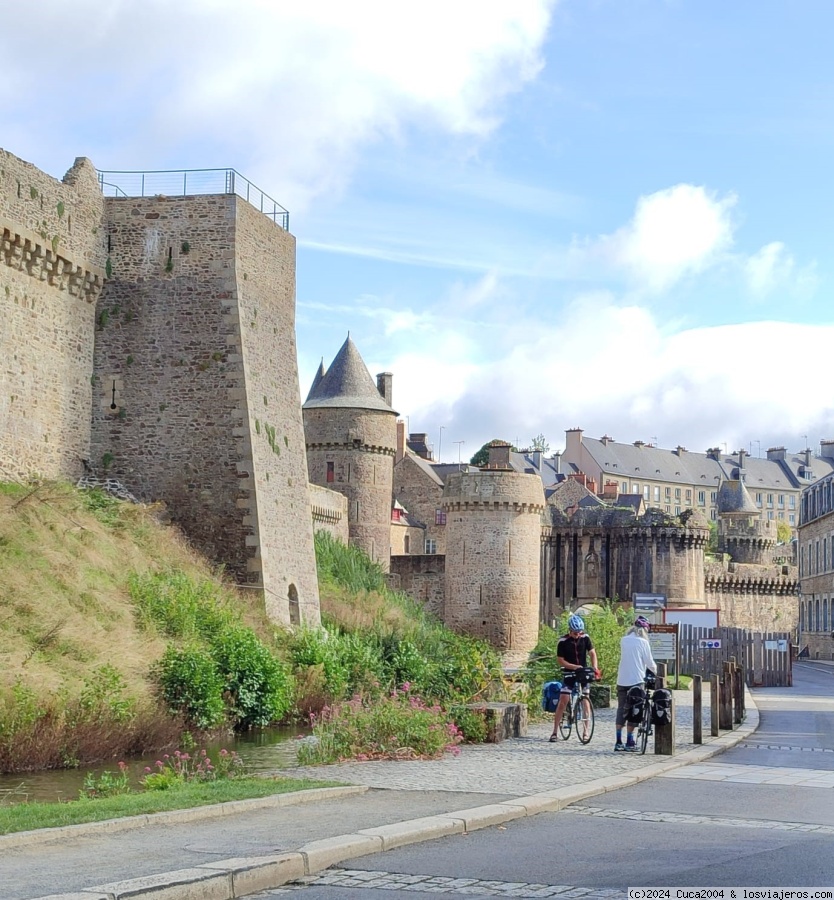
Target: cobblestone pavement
<point>518,766</point>
<point>684,819</point>
<point>362,879</point>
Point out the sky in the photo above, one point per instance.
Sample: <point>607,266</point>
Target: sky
<point>539,215</point>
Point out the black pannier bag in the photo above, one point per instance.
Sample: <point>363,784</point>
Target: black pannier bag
<point>635,704</point>
<point>662,707</point>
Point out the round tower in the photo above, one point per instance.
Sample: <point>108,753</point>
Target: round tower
<point>493,553</point>
<point>351,435</point>
<point>742,532</point>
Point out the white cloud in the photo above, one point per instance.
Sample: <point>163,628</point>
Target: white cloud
<point>675,232</point>
<point>619,370</point>
<point>288,92</point>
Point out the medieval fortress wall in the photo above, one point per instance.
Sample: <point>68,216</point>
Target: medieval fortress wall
<point>179,378</point>
<point>52,259</point>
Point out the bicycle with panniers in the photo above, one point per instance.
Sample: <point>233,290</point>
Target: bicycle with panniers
<point>579,713</point>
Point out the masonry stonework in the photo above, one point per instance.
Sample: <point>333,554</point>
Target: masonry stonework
<point>493,546</point>
<point>52,261</point>
<point>359,445</point>
<point>330,512</point>
<point>196,386</point>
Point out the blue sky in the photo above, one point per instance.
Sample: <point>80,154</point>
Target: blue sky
<point>611,214</point>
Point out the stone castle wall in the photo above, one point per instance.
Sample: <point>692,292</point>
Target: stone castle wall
<point>421,577</point>
<point>360,444</point>
<point>759,598</point>
<point>279,503</point>
<point>329,512</point>
<point>194,341</point>
<point>493,544</point>
<point>52,260</point>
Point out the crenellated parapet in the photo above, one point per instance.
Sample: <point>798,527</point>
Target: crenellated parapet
<point>354,445</point>
<point>26,252</point>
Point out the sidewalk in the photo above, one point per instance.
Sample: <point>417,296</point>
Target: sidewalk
<point>216,853</point>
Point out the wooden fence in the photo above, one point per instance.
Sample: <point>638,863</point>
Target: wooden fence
<point>765,656</point>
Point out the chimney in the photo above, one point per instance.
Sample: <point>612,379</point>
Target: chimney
<point>537,457</point>
<point>384,383</point>
<point>400,441</point>
<point>581,477</point>
<point>556,459</point>
<point>807,453</point>
<point>774,454</point>
<point>680,450</point>
<point>610,491</point>
<point>605,440</point>
<point>591,485</point>
<point>639,443</point>
<point>714,453</point>
<point>827,449</point>
<point>499,455</point>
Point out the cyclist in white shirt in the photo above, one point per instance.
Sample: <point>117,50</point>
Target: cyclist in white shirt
<point>635,658</point>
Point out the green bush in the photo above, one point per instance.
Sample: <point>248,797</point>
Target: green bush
<point>191,685</point>
<point>471,723</point>
<point>347,565</point>
<point>399,725</point>
<point>258,687</point>
<point>179,606</point>
<point>103,698</point>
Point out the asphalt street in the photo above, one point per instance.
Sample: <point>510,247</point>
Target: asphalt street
<point>760,815</point>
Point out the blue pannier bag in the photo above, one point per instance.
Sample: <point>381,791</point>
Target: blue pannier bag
<point>550,695</point>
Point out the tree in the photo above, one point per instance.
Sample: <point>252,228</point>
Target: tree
<point>481,458</point>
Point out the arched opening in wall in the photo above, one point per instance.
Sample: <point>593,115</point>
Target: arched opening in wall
<point>295,609</point>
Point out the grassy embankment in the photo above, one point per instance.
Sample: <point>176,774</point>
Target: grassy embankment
<point>106,612</point>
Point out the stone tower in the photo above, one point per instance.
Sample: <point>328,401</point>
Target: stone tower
<point>196,397</point>
<point>351,434</point>
<point>742,532</point>
<point>493,551</point>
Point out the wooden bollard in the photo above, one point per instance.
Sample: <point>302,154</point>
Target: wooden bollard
<point>664,735</point>
<point>739,692</point>
<point>714,704</point>
<point>697,701</point>
<point>725,706</point>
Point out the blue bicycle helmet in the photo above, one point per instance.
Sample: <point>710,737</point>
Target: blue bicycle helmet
<point>575,623</point>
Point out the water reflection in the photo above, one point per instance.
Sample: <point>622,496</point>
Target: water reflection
<point>262,750</point>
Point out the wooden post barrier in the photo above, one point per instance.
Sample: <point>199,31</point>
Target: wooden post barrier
<point>738,687</point>
<point>664,735</point>
<point>697,700</point>
<point>725,706</point>
<point>714,704</point>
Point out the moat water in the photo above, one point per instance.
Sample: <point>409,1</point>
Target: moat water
<point>263,750</point>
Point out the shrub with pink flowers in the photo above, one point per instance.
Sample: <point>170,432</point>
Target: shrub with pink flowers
<point>400,725</point>
<point>177,768</point>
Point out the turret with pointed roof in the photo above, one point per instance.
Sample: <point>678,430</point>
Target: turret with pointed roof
<point>351,437</point>
<point>742,532</point>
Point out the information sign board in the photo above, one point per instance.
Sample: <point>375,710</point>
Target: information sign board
<point>664,642</point>
<point>778,646</point>
<point>649,601</point>
<point>710,644</point>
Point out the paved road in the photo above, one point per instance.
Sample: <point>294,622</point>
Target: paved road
<point>760,815</point>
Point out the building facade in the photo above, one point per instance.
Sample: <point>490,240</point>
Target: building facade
<point>816,569</point>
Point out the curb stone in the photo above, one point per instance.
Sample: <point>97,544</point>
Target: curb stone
<point>232,878</point>
<point>175,816</point>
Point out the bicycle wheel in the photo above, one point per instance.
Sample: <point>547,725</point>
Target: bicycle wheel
<point>584,719</point>
<point>566,725</point>
<point>644,728</point>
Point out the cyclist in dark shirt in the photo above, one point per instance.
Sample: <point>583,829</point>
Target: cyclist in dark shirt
<point>573,653</point>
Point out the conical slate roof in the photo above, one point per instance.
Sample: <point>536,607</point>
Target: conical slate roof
<point>317,379</point>
<point>346,384</point>
<point>733,499</point>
